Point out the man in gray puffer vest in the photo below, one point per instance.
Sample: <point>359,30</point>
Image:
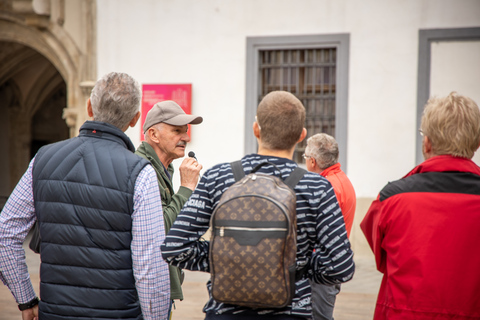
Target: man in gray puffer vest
<point>100,220</point>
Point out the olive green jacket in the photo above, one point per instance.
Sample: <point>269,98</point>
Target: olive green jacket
<point>172,203</point>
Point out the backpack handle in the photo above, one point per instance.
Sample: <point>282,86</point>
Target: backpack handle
<point>291,181</point>
<point>238,172</point>
<point>258,166</point>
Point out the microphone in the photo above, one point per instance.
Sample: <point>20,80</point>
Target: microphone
<point>191,154</point>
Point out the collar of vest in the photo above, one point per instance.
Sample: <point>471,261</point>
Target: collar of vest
<point>106,130</point>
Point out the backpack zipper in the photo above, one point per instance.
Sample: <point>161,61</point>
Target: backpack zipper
<point>222,229</point>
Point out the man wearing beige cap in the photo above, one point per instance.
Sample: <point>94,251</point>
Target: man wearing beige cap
<point>166,138</point>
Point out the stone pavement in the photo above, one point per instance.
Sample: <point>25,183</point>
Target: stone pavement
<point>356,300</point>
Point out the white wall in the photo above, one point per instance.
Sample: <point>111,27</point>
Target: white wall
<point>204,43</point>
<point>456,67</point>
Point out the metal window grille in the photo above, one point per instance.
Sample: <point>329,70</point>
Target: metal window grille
<point>310,74</point>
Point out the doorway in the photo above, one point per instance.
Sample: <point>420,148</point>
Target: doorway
<point>33,95</point>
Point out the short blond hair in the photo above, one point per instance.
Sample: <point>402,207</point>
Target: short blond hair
<point>281,117</point>
<point>452,125</point>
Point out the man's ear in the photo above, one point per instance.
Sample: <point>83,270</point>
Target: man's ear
<point>314,163</point>
<point>427,148</point>
<point>256,130</point>
<point>302,135</point>
<point>153,134</point>
<point>89,108</point>
<point>134,121</point>
<point>427,145</point>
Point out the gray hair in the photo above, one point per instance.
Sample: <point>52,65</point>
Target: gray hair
<point>324,148</point>
<point>116,99</point>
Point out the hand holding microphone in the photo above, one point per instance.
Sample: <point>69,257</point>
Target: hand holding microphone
<point>191,154</point>
<point>190,171</point>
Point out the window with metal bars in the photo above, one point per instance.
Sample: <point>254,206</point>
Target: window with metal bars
<point>310,74</point>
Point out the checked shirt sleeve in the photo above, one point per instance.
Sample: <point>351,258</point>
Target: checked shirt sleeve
<point>16,219</point>
<point>148,232</point>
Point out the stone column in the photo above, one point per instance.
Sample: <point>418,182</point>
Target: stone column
<point>70,115</point>
<point>75,116</point>
<point>20,138</point>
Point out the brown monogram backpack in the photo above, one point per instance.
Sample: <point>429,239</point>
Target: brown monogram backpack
<point>254,240</point>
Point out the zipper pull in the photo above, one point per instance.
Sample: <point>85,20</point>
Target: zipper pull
<point>222,231</point>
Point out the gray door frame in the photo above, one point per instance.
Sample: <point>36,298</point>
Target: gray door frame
<point>425,39</point>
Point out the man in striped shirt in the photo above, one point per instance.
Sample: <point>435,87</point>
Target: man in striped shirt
<point>279,126</point>
<point>100,220</point>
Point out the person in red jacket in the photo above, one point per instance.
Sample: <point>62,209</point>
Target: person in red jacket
<point>424,228</point>
<point>321,156</point>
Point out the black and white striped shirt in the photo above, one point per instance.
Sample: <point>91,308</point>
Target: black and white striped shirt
<point>320,226</point>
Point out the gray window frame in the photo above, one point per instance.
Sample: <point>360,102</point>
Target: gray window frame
<point>342,44</point>
<point>425,39</point>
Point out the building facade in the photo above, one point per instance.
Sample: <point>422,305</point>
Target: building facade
<point>364,70</point>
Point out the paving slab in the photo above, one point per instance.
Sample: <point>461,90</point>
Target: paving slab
<point>356,300</point>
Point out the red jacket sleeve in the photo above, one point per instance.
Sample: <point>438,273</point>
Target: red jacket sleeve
<point>372,230</point>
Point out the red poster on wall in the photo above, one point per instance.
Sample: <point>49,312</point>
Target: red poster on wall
<point>153,93</point>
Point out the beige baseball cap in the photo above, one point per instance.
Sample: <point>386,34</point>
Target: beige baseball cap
<point>171,113</point>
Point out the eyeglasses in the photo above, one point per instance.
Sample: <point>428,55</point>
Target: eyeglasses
<point>305,156</point>
<point>421,132</point>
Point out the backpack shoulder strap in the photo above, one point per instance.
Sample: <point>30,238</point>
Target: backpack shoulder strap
<point>237,169</point>
<point>295,177</point>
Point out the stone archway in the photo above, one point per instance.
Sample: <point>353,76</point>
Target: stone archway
<point>31,90</point>
<point>45,79</point>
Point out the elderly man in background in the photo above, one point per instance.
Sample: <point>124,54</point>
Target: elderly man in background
<point>166,137</point>
<point>99,215</point>
<point>424,228</point>
<point>321,156</point>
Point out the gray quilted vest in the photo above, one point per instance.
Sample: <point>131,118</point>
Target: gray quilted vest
<point>83,193</point>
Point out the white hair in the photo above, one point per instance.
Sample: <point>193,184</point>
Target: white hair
<point>116,99</point>
<point>324,148</point>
